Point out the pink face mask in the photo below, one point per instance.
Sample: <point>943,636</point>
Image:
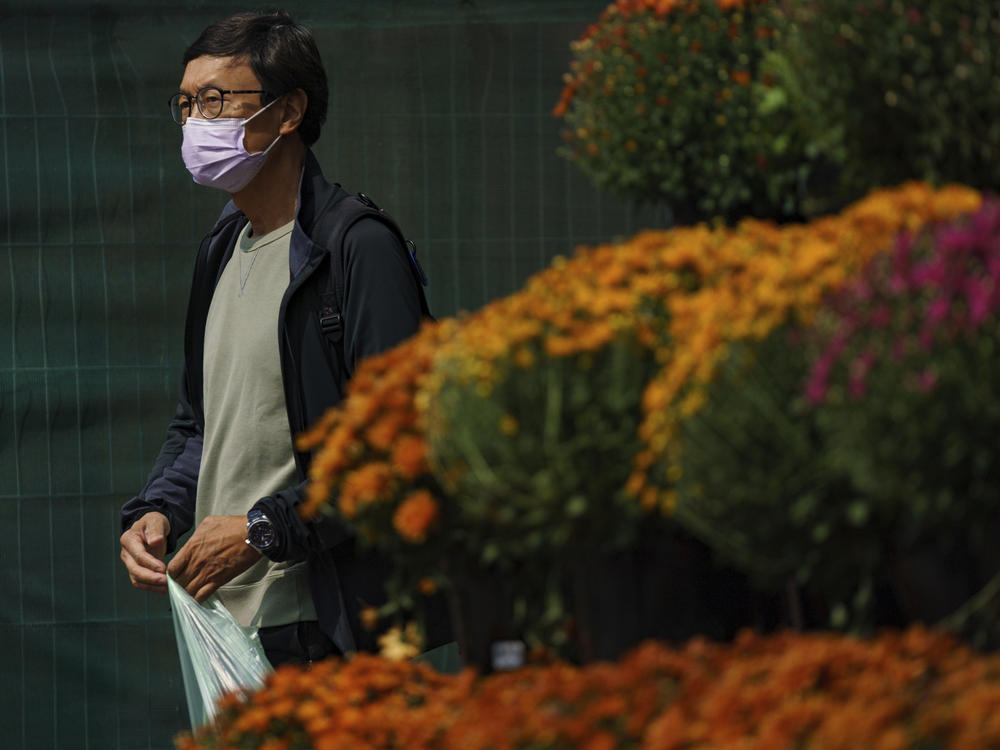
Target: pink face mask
<point>214,153</point>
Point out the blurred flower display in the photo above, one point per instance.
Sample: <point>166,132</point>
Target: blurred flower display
<point>670,101</point>
<point>782,110</point>
<point>910,690</point>
<point>547,426</point>
<point>804,391</point>
<point>370,469</point>
<point>838,499</point>
<point>891,90</point>
<point>757,277</point>
<point>905,393</point>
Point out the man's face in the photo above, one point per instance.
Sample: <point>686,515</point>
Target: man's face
<point>231,74</point>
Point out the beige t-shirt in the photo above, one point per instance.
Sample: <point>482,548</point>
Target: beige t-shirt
<point>247,452</point>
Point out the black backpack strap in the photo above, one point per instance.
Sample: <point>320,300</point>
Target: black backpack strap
<point>347,212</point>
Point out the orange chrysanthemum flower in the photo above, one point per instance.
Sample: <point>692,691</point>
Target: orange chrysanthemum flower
<point>911,689</point>
<point>409,456</point>
<point>415,516</point>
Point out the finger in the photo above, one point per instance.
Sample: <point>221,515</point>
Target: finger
<point>178,568</point>
<point>142,576</point>
<point>135,554</point>
<point>156,542</point>
<point>134,543</point>
<point>195,583</point>
<point>205,591</point>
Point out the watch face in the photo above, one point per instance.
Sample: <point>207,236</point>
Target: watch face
<point>261,534</point>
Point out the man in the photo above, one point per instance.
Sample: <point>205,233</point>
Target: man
<point>260,363</point>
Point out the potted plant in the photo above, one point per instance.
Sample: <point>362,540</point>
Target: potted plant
<point>904,393</point>
<point>674,102</point>
<point>893,91</point>
<point>758,474</point>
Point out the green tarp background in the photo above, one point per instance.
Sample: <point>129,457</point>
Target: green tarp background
<point>439,110</point>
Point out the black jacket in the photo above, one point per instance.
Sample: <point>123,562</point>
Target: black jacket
<point>381,307</point>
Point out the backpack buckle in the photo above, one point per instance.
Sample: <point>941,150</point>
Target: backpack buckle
<point>368,201</point>
<point>331,322</point>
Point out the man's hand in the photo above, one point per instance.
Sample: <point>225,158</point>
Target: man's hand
<point>143,548</point>
<point>216,553</point>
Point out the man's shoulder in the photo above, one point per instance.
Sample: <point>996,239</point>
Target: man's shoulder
<point>353,223</point>
<point>371,230</point>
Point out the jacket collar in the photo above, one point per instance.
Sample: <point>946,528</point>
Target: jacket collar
<point>316,195</point>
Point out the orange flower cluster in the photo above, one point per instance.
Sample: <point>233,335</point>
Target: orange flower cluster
<point>685,292</point>
<point>365,702</point>
<point>899,691</point>
<point>415,515</point>
<point>757,276</point>
<point>371,449</point>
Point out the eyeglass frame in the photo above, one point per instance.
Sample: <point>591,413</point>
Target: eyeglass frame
<point>197,100</point>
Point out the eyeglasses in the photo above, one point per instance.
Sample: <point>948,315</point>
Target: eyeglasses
<point>210,100</point>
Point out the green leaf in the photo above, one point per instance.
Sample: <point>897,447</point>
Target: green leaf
<point>576,506</point>
<point>858,513</point>
<point>838,616</point>
<point>772,100</point>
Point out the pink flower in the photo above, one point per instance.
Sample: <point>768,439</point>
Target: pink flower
<point>955,240</point>
<point>816,391</point>
<point>819,379</point>
<point>993,266</point>
<point>839,342</point>
<point>899,278</point>
<point>881,316</point>
<point>859,373</point>
<point>938,309</point>
<point>978,295</point>
<point>926,380</point>
<point>929,274</point>
<point>862,290</point>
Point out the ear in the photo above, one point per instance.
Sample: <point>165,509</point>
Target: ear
<point>293,112</point>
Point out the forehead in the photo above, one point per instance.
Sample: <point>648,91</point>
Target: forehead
<point>224,72</point>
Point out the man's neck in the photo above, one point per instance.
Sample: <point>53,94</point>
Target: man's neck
<point>270,200</point>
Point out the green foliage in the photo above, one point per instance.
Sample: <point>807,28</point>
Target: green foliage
<point>536,462</point>
<point>856,457</point>
<point>678,106</point>
<point>541,457</point>
<point>783,110</point>
<point>757,487</point>
<point>896,90</point>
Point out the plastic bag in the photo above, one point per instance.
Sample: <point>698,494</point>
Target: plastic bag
<point>217,655</point>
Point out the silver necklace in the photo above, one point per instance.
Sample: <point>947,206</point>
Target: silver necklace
<point>244,279</point>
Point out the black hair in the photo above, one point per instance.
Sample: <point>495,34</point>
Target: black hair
<point>281,53</point>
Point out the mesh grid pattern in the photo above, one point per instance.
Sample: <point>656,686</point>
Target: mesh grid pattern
<point>439,111</point>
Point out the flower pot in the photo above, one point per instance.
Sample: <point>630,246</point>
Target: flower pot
<point>482,612</point>
<point>666,586</point>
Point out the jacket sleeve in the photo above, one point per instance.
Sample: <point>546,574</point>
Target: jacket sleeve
<point>172,485</point>
<point>381,298</point>
<point>296,539</point>
<point>381,308</point>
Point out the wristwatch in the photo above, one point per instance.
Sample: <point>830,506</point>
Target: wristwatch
<point>260,531</point>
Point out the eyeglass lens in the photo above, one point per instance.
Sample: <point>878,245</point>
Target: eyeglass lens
<point>209,101</point>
